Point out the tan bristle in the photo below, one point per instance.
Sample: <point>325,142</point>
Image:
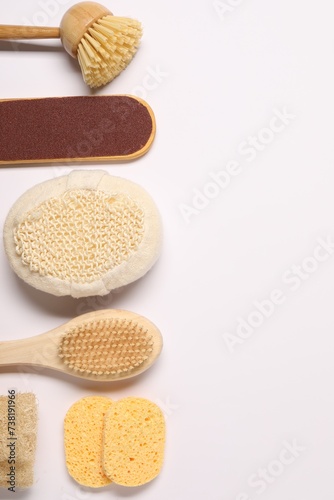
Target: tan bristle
<point>107,48</point>
<point>106,347</point>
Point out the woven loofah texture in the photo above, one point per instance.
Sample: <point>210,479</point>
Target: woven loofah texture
<point>107,48</point>
<point>25,443</point>
<point>83,234</point>
<point>109,347</point>
<point>87,232</point>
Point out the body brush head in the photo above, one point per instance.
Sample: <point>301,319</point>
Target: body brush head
<point>83,234</point>
<point>115,347</point>
<point>103,44</point>
<point>107,345</point>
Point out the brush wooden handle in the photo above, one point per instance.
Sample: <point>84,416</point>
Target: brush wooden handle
<point>12,32</point>
<point>40,350</point>
<point>73,26</point>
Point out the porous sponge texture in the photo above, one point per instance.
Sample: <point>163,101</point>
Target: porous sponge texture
<point>133,441</point>
<point>83,428</point>
<point>83,234</point>
<point>25,443</point>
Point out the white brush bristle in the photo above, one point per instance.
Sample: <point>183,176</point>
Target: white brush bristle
<point>107,48</point>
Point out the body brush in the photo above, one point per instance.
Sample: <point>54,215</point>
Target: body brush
<point>106,345</point>
<point>103,44</point>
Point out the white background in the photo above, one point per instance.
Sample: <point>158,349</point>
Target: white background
<point>224,69</point>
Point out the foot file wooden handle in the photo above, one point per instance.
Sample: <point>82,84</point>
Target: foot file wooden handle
<point>66,129</point>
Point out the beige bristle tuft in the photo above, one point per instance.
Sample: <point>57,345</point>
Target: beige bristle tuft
<point>107,48</point>
<point>106,347</point>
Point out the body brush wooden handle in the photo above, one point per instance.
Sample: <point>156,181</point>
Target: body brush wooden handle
<point>12,32</point>
<point>103,44</point>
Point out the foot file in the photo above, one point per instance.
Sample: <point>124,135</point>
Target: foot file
<point>84,128</point>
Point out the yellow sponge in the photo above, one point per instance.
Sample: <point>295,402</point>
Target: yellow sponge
<point>83,440</point>
<point>18,435</point>
<point>133,441</point>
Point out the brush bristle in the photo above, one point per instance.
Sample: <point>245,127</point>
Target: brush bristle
<point>107,48</point>
<point>112,347</point>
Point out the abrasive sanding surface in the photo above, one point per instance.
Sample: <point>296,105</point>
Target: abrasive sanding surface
<point>72,127</point>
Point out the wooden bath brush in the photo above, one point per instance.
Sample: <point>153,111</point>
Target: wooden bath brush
<point>103,44</point>
<point>105,345</point>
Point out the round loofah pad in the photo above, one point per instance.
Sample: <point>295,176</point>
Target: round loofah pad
<point>83,234</point>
